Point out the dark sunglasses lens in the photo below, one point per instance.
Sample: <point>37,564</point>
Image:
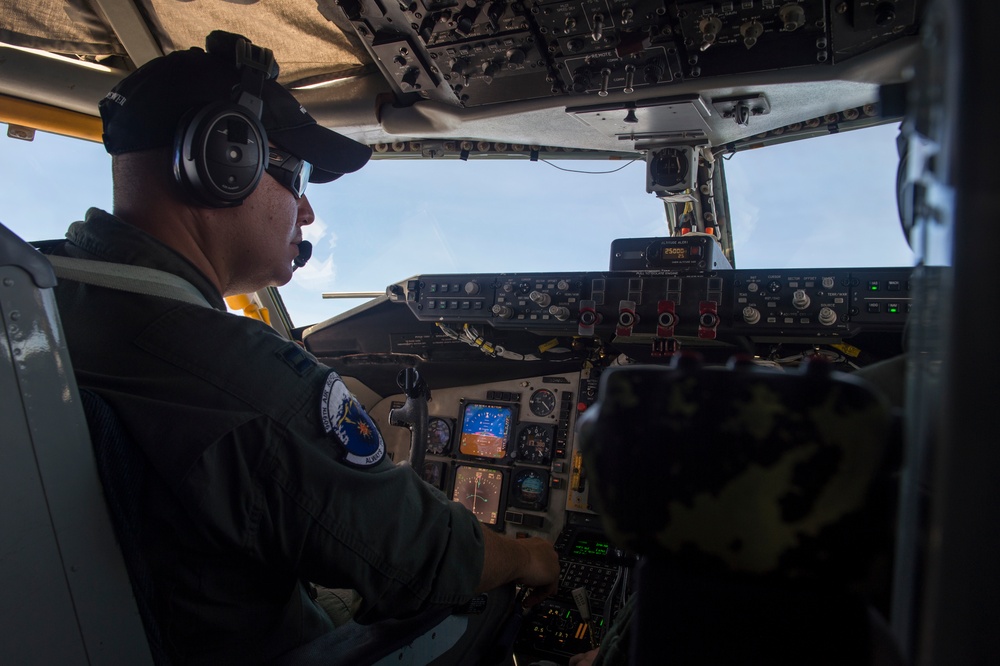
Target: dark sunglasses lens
<point>294,176</point>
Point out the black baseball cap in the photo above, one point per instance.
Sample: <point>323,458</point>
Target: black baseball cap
<point>144,110</point>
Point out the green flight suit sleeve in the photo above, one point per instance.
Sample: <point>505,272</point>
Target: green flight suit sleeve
<point>281,487</point>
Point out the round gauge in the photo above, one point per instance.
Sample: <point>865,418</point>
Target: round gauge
<point>542,402</point>
<point>434,473</point>
<point>478,489</point>
<point>534,444</point>
<point>530,489</point>
<point>438,436</point>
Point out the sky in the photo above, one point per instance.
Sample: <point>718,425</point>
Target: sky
<point>825,202</point>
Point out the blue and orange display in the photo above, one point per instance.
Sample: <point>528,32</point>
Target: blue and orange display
<point>485,430</point>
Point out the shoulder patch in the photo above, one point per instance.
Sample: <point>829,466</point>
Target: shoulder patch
<point>343,415</point>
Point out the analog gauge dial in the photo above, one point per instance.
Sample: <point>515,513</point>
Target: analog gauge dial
<point>434,473</point>
<point>478,489</point>
<point>438,436</point>
<point>530,489</point>
<point>534,444</point>
<point>542,402</point>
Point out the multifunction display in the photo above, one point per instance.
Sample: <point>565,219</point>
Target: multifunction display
<point>479,489</point>
<point>486,430</point>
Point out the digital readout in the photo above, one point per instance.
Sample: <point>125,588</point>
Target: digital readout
<point>485,430</point>
<point>584,547</point>
<point>674,252</point>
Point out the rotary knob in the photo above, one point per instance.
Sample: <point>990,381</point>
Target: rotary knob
<point>516,56</point>
<point>827,316</point>
<point>751,315</point>
<point>800,299</point>
<point>559,312</point>
<point>540,298</point>
<point>502,311</point>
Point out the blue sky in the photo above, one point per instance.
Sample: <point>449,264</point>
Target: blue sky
<point>824,202</point>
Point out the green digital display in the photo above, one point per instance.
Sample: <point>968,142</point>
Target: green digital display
<point>584,547</point>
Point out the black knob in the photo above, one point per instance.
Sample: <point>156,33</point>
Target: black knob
<point>652,72</point>
<point>885,13</point>
<point>516,56</point>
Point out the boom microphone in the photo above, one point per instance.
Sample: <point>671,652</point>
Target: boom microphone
<point>305,251</point>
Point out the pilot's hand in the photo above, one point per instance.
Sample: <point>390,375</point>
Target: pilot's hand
<point>542,571</point>
<point>531,562</point>
<point>585,659</point>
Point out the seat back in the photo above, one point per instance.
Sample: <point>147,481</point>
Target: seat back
<point>67,597</point>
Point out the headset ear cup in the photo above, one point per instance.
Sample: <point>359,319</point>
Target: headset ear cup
<point>219,154</point>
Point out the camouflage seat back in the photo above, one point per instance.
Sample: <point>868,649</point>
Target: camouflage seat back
<point>742,469</point>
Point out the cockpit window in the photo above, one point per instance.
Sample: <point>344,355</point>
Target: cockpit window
<point>823,202</point>
<point>398,218</point>
<point>50,182</point>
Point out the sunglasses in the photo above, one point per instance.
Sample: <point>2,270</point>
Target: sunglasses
<point>289,170</point>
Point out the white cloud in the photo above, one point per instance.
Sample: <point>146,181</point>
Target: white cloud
<point>316,232</point>
<point>321,271</point>
<point>320,274</point>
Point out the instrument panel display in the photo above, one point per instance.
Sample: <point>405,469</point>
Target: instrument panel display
<point>486,430</point>
<point>542,402</point>
<point>534,443</point>
<point>478,489</point>
<point>529,489</point>
<point>438,436</point>
<point>589,545</point>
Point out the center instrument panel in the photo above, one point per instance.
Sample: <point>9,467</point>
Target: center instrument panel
<point>504,450</point>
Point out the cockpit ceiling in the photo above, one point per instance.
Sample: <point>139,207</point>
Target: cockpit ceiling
<point>613,76</point>
<point>305,42</point>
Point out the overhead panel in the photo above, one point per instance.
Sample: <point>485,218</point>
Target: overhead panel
<point>478,52</point>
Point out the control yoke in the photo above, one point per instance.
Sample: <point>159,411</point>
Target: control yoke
<point>413,414</point>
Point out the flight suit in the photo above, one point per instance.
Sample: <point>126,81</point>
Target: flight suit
<point>264,470</point>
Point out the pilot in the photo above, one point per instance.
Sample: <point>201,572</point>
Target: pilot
<point>264,471</point>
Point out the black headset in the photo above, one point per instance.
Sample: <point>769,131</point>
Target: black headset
<point>220,150</point>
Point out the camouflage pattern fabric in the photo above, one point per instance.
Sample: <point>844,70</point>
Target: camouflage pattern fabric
<point>741,469</point>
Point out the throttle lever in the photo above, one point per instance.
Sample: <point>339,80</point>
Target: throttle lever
<point>413,414</point>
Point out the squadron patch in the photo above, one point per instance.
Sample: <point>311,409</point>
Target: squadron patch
<point>344,417</point>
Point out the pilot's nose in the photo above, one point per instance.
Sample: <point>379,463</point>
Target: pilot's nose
<point>306,214</point>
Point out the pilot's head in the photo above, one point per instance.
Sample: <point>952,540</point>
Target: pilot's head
<point>218,110</point>
<point>212,156</point>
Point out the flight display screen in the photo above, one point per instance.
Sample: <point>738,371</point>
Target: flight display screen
<point>478,488</point>
<point>486,430</point>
